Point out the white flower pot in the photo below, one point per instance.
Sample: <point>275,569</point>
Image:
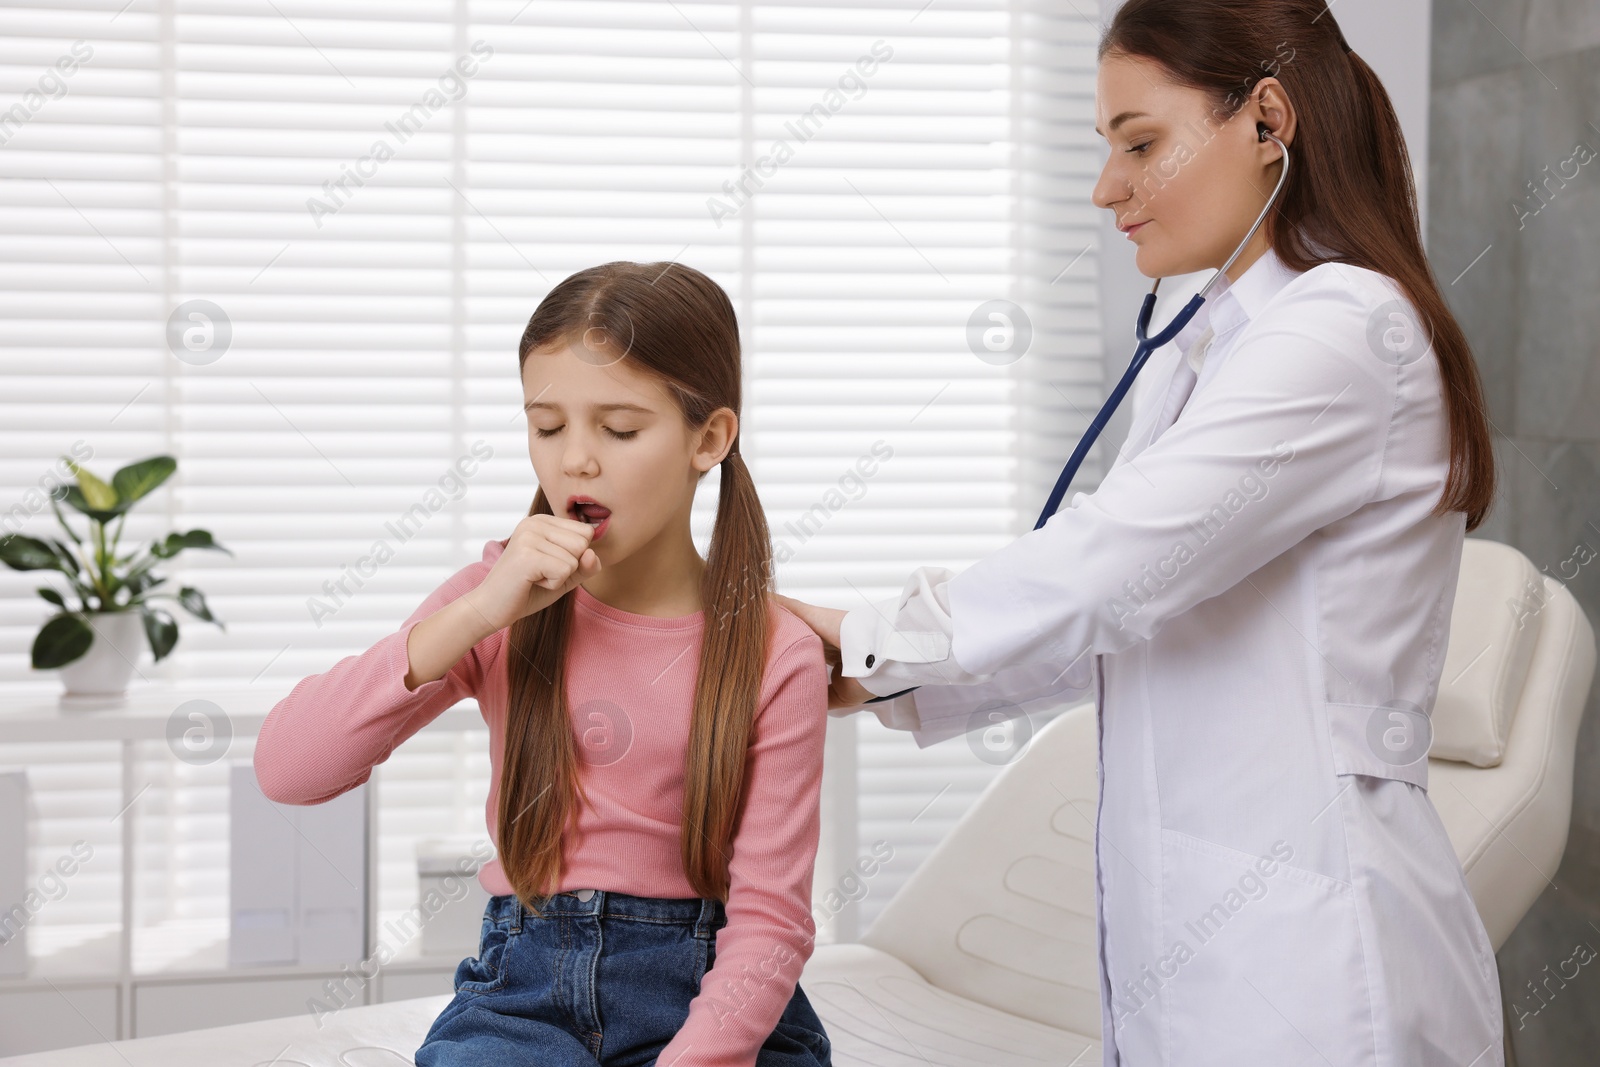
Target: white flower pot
<point>104,670</point>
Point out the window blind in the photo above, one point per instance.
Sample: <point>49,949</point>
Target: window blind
<point>293,244</point>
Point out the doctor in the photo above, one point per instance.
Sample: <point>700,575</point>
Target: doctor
<point>1258,593</point>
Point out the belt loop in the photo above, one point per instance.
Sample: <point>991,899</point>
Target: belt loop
<point>708,915</point>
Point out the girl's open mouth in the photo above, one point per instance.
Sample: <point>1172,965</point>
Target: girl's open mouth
<point>587,509</point>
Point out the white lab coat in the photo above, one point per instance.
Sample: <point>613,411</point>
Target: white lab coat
<point>1259,599</point>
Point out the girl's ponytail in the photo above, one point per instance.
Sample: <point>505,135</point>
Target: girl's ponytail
<point>735,589</point>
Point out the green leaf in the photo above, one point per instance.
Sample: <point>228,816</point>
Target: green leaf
<point>160,628</point>
<point>141,582</point>
<point>68,557</point>
<point>137,480</point>
<point>177,542</point>
<point>98,494</point>
<point>52,596</point>
<point>22,553</point>
<point>62,639</point>
<point>103,515</point>
<point>194,602</point>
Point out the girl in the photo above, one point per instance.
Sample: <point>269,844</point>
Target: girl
<point>1259,590</point>
<point>656,732</point>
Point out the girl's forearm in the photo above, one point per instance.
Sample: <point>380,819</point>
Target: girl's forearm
<point>439,641</point>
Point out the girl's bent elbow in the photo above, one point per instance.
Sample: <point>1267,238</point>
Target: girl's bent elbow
<point>274,785</point>
<point>273,789</point>
<point>278,784</point>
<point>280,791</point>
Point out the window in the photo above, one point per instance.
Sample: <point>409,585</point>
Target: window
<point>293,244</point>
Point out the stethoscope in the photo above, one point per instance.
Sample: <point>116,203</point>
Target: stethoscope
<point>1147,344</point>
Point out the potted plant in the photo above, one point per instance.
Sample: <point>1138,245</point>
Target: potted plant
<point>96,642</point>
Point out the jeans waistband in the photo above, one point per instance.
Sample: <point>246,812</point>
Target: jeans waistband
<point>703,913</point>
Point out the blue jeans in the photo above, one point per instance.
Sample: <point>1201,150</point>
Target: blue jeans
<point>602,978</point>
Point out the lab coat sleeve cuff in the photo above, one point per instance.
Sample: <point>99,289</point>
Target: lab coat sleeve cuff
<point>869,632</point>
<point>905,641</point>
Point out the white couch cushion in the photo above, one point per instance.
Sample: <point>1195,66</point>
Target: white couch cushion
<point>1509,822</point>
<point>1494,627</point>
<point>379,1035</point>
<point>880,1012</point>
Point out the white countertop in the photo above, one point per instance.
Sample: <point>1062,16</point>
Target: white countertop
<point>150,710</point>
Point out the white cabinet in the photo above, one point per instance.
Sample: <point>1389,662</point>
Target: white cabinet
<point>44,1018</point>
<point>297,876</point>
<point>16,909</point>
<point>103,979</point>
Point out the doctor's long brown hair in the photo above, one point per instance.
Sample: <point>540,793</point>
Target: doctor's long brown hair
<point>676,324</point>
<point>1350,187</point>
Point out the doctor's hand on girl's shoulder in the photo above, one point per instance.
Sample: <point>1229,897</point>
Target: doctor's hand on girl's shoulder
<point>544,558</point>
<point>843,692</point>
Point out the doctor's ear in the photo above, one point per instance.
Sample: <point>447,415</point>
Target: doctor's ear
<point>1269,109</point>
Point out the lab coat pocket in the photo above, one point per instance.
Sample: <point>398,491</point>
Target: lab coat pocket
<point>1262,957</point>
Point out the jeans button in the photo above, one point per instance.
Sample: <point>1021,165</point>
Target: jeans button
<point>583,894</point>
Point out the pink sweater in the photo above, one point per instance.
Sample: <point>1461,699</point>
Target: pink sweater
<point>325,737</point>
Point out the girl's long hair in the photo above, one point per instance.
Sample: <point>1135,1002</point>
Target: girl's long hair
<point>676,324</point>
<point>1350,190</point>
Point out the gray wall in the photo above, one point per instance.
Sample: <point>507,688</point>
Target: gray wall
<point>1515,89</point>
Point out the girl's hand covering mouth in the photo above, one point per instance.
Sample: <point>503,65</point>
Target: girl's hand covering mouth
<point>545,557</point>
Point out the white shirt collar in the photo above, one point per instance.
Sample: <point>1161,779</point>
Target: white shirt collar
<point>1232,303</point>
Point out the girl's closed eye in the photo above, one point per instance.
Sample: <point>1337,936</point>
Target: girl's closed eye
<point>1139,148</point>
<point>620,435</point>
